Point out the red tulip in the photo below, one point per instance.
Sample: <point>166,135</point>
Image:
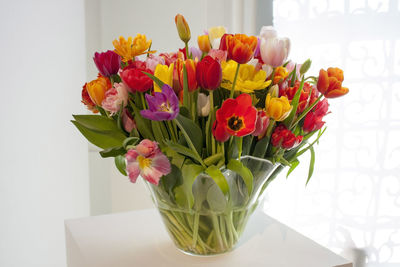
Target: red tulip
<point>236,116</point>
<point>219,132</point>
<point>136,80</point>
<point>313,120</point>
<point>284,138</point>
<point>209,73</point>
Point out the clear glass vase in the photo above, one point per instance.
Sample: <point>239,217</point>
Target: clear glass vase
<point>216,221</point>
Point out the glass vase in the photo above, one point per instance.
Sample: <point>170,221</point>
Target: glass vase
<point>215,222</point>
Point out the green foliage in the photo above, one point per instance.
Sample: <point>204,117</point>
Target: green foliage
<point>142,124</point>
<point>113,152</point>
<point>183,193</point>
<point>215,173</point>
<point>293,166</point>
<point>295,102</point>
<point>100,131</point>
<point>193,131</point>
<point>238,167</point>
<point>120,164</point>
<point>312,163</point>
<point>155,79</point>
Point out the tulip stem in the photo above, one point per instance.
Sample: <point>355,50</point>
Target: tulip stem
<point>187,51</point>
<point>211,117</point>
<point>304,113</point>
<point>234,81</point>
<point>190,143</point>
<point>143,100</point>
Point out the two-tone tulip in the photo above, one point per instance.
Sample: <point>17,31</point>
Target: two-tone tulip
<point>330,83</point>
<point>190,66</point>
<point>97,89</point>
<point>240,47</point>
<point>284,138</point>
<point>183,28</point>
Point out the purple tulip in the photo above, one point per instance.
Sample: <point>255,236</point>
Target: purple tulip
<point>162,106</point>
<point>107,63</point>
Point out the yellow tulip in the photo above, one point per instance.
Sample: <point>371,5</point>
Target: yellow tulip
<point>128,49</point>
<point>204,43</point>
<point>97,89</point>
<point>277,108</point>
<point>248,79</point>
<point>215,33</point>
<point>165,74</point>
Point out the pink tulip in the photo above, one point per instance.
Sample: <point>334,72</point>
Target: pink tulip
<point>152,61</point>
<point>148,161</point>
<point>115,97</point>
<point>127,121</point>
<point>274,51</point>
<point>217,54</point>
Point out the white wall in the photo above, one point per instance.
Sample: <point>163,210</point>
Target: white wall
<point>43,159</point>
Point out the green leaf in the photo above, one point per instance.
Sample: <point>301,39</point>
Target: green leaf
<point>183,193</point>
<point>193,131</point>
<point>213,159</point>
<point>243,171</point>
<point>158,135</point>
<point>312,162</point>
<point>142,124</point>
<point>96,122</point>
<point>261,147</point>
<point>295,102</point>
<point>120,164</point>
<point>182,150</point>
<point>103,139</point>
<point>130,141</point>
<point>155,79</point>
<point>119,118</point>
<point>218,178</point>
<point>174,157</point>
<point>293,166</point>
<point>112,152</point>
<point>184,112</point>
<point>170,180</point>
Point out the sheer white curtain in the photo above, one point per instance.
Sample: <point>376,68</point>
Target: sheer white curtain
<point>352,203</point>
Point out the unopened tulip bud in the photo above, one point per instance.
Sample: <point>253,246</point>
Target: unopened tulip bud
<point>183,28</point>
<point>203,105</point>
<point>305,66</point>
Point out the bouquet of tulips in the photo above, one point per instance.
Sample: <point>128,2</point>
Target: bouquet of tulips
<point>190,120</point>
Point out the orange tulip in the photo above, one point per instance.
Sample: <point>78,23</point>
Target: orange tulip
<point>191,73</point>
<point>204,43</point>
<point>97,89</point>
<point>330,83</point>
<point>240,47</point>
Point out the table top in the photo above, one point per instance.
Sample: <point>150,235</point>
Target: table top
<point>138,238</point>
